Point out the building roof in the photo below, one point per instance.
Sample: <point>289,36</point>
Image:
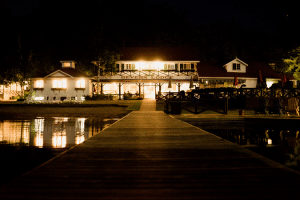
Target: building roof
<point>67,71</point>
<point>158,54</point>
<point>213,69</point>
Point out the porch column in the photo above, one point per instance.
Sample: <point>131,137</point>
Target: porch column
<point>155,90</point>
<point>139,89</point>
<point>120,85</point>
<point>159,88</point>
<point>101,85</point>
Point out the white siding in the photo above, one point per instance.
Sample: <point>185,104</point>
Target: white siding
<point>69,92</point>
<point>230,64</point>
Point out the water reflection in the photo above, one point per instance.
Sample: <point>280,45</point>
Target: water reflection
<point>56,132</point>
<point>282,146</point>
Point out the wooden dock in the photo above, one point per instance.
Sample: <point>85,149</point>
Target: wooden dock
<point>150,155</point>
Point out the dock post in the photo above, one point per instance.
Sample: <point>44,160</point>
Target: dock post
<point>226,106</point>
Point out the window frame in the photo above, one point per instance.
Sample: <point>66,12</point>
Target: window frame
<point>39,84</point>
<point>59,84</point>
<point>80,84</point>
<point>236,66</point>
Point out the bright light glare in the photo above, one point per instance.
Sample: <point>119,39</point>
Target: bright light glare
<point>269,141</point>
<point>269,83</point>
<point>159,65</point>
<point>140,65</point>
<point>39,98</point>
<point>80,83</point>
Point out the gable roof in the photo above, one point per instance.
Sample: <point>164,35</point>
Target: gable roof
<point>213,69</point>
<point>238,60</point>
<point>70,72</point>
<point>158,54</point>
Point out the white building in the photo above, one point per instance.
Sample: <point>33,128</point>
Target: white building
<point>65,84</point>
<point>11,91</point>
<point>215,75</point>
<point>148,71</point>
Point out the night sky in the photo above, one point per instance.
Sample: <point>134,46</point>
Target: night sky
<point>36,32</point>
<point>262,15</point>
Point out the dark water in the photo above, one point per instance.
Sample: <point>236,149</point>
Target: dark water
<point>277,141</point>
<point>27,143</point>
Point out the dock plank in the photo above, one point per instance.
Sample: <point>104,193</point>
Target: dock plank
<point>150,155</point>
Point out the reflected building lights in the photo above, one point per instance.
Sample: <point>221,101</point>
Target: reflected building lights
<point>54,132</point>
<point>79,130</point>
<point>59,139</point>
<point>15,132</point>
<point>39,132</point>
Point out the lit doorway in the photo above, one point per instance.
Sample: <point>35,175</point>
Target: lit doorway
<point>149,91</point>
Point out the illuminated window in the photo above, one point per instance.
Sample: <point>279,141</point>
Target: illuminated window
<point>39,84</point>
<point>80,83</point>
<point>59,83</point>
<point>67,64</point>
<point>169,66</point>
<point>129,67</point>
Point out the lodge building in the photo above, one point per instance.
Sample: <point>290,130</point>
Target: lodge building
<point>151,71</point>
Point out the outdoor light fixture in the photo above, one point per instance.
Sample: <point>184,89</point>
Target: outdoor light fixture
<point>269,141</point>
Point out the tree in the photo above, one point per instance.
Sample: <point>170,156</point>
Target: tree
<point>293,63</point>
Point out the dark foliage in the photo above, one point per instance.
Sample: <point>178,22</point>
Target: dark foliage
<point>86,30</point>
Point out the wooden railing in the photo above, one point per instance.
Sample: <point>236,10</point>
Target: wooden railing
<point>217,93</point>
<point>151,73</point>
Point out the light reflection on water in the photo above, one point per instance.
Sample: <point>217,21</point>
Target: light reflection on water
<point>56,132</point>
<point>280,145</point>
<point>25,144</point>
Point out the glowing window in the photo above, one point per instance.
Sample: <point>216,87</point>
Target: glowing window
<point>39,84</point>
<point>59,83</point>
<point>80,83</point>
<point>169,66</point>
<point>129,66</point>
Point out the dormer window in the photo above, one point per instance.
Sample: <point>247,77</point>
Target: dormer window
<point>236,66</point>
<point>68,64</point>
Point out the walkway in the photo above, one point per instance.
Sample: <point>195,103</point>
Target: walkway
<point>150,155</point>
<point>148,105</point>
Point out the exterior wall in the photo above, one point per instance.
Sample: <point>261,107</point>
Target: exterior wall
<point>251,83</point>
<point>226,82</point>
<point>48,93</point>
<point>156,65</point>
<point>242,67</point>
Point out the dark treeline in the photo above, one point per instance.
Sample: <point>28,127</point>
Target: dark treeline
<point>35,42</point>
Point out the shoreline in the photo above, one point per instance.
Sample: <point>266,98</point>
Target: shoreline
<point>91,109</point>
